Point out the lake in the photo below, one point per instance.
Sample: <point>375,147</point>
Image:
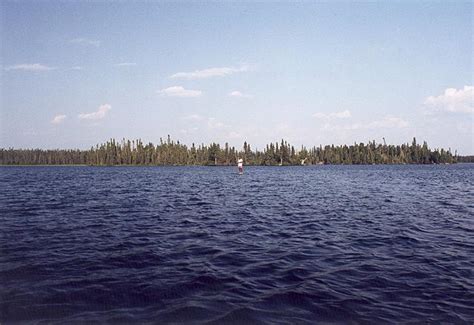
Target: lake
<point>335,244</point>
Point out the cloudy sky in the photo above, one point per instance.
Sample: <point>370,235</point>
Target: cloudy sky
<point>74,74</point>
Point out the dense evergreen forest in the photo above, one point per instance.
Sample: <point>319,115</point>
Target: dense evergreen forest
<point>465,159</point>
<point>169,152</point>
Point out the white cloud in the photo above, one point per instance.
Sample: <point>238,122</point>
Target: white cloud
<point>203,121</point>
<point>126,64</point>
<point>466,127</point>
<point>85,41</point>
<point>209,73</point>
<point>58,119</point>
<point>178,91</point>
<point>76,68</point>
<point>237,93</point>
<point>213,123</point>
<point>100,114</point>
<point>190,130</point>
<point>388,122</point>
<point>194,117</point>
<point>203,124</point>
<point>453,100</point>
<point>343,114</point>
<point>36,67</point>
<point>234,135</point>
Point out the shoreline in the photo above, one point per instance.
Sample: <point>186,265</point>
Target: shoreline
<point>213,166</point>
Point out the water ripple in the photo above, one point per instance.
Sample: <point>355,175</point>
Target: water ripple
<point>277,245</point>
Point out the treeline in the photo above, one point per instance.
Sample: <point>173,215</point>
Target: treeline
<point>169,152</point>
<point>465,159</point>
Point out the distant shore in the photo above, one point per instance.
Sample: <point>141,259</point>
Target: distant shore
<point>171,153</point>
<point>308,165</point>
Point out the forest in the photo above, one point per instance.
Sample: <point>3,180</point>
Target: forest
<point>465,159</point>
<point>174,153</point>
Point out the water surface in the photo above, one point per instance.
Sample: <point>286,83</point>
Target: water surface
<point>339,244</point>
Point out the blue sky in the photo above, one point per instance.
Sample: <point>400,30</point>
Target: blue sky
<point>74,74</point>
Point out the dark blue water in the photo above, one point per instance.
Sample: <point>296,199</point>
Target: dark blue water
<point>338,244</point>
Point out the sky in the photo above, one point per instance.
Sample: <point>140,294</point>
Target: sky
<point>75,74</point>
